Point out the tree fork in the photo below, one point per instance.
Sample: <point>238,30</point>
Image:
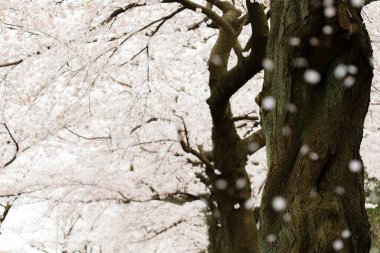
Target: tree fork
<point>232,226</point>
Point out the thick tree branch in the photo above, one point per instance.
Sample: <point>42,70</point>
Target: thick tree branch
<point>222,5</point>
<point>208,12</point>
<point>220,53</point>
<point>234,79</point>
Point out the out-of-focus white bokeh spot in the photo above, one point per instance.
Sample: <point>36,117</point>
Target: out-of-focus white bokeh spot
<point>338,245</point>
<point>304,149</point>
<point>357,3</point>
<point>313,156</point>
<point>349,81</point>
<point>217,60</point>
<point>313,193</point>
<point>294,41</point>
<point>221,184</point>
<point>355,166</point>
<point>240,183</point>
<point>340,71</point>
<point>312,76</point>
<point>291,107</point>
<point>269,103</point>
<point>340,190</point>
<point>300,62</point>
<point>346,233</point>
<point>329,12</point>
<point>287,217</point>
<point>271,238</point>
<point>279,203</point>
<point>249,204</point>
<point>268,64</point>
<point>327,29</point>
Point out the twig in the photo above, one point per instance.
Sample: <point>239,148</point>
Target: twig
<point>7,64</point>
<point>89,138</point>
<point>138,126</point>
<point>161,20</point>
<point>185,144</point>
<point>6,207</point>
<point>119,11</point>
<point>156,233</point>
<point>245,117</point>
<point>16,145</point>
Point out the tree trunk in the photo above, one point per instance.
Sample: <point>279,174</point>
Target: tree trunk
<point>309,166</point>
<point>232,226</point>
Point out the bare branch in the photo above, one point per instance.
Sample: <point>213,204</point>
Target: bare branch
<point>16,195</point>
<point>7,64</point>
<point>185,144</point>
<point>89,138</point>
<point>177,198</point>
<point>121,83</point>
<point>139,52</point>
<point>151,142</point>
<point>156,233</point>
<point>245,117</point>
<point>138,126</point>
<point>119,11</point>
<point>16,145</point>
<point>161,21</point>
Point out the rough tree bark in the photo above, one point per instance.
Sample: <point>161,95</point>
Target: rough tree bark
<point>324,197</point>
<point>308,149</point>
